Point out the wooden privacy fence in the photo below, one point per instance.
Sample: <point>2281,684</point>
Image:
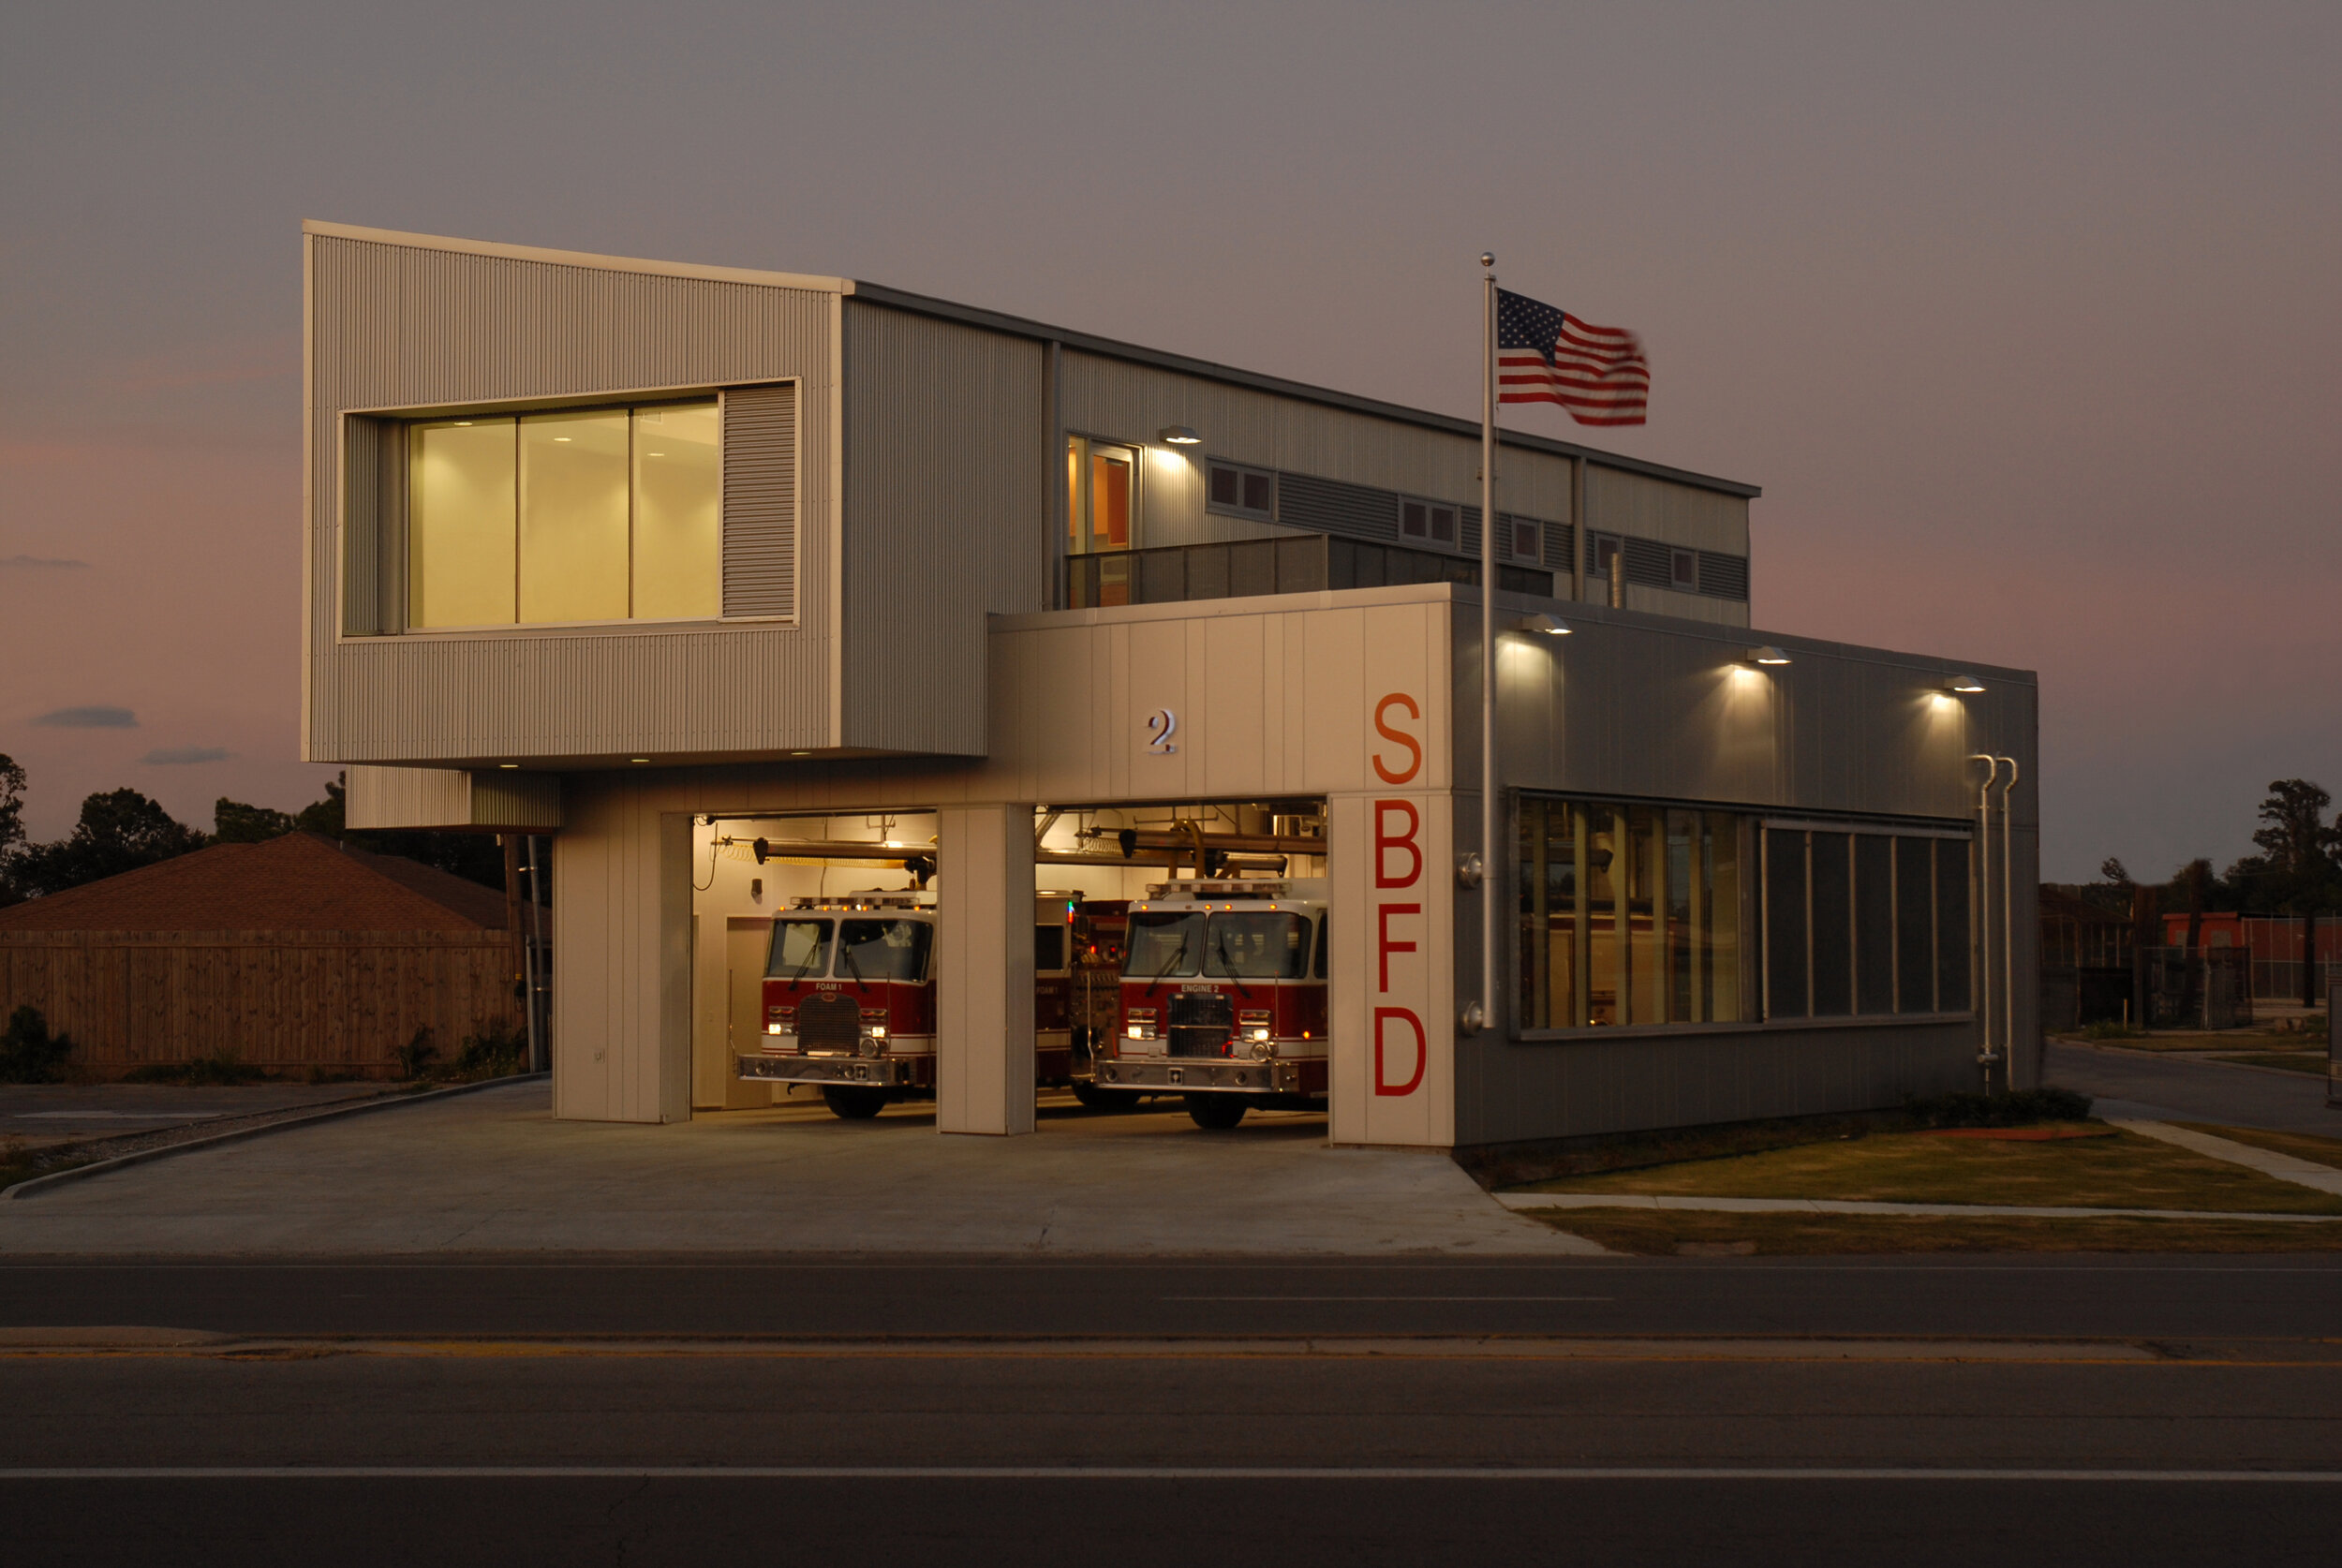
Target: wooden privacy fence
<point>340,1001</point>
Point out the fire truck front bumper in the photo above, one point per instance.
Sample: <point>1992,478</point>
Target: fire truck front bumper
<point>1205,1075</point>
<point>876,1071</point>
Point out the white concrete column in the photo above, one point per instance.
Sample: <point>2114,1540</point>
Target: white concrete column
<point>984,969</point>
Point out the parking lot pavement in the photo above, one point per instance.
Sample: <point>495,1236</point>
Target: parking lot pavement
<point>2136,1084</point>
<point>44,1114</point>
<point>495,1171</point>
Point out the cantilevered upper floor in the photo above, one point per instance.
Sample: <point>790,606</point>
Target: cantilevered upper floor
<point>568,511</point>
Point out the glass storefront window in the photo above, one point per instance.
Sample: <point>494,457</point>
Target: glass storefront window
<point>604,514</point>
<point>1629,914</point>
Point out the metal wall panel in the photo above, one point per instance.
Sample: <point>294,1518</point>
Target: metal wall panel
<point>946,520</point>
<point>1620,502</point>
<point>760,508</point>
<point>401,326</point>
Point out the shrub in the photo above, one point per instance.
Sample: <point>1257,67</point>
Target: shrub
<point>2111,1028</point>
<point>29,1054</point>
<point>412,1055</point>
<point>2000,1110</point>
<point>493,1051</point>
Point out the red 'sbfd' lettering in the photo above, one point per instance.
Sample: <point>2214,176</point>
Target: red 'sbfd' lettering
<point>1415,749</point>
<point>1385,842</point>
<point>1384,946</point>
<point>1422,1051</point>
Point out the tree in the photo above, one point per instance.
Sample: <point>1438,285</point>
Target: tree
<point>234,822</point>
<point>120,829</point>
<point>2112,871</point>
<point>12,825</point>
<point>2297,840</point>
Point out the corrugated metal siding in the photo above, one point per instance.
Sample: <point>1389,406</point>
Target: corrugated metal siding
<point>946,519</point>
<point>397,326</point>
<point>761,500</point>
<point>1117,400</point>
<point>1618,502</point>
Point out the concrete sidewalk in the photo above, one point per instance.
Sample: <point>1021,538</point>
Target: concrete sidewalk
<point>493,1172</point>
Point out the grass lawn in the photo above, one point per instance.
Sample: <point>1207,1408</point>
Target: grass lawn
<point>2124,1171</point>
<point>1664,1232</point>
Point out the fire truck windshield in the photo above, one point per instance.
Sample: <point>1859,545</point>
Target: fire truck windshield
<point>1257,946</point>
<point>800,948</point>
<point>1164,943</point>
<point>884,948</point>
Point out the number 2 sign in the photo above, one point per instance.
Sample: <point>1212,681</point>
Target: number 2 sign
<point>1161,725</point>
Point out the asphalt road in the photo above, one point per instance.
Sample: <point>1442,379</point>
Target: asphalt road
<point>2072,1411</point>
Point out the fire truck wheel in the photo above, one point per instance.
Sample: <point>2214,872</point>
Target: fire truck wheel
<point>1098,1098</point>
<point>853,1103</point>
<point>1215,1113</point>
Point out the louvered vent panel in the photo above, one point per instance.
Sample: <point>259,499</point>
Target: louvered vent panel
<point>1647,564</point>
<point>761,500</point>
<point>1723,576</point>
<point>1331,507</point>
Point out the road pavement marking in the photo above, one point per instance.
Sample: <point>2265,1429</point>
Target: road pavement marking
<point>1142,1473</point>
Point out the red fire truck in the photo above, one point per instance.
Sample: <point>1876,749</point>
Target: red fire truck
<point>1223,999</point>
<point>849,996</point>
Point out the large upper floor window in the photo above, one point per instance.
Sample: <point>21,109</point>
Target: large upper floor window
<point>593,514</point>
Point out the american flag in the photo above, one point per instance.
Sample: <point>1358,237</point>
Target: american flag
<point>1544,355</point>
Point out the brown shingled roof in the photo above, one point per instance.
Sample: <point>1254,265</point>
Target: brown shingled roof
<point>298,883</point>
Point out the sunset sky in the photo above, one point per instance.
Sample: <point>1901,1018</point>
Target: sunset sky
<point>2025,318</point>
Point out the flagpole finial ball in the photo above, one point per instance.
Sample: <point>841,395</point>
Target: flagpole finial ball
<point>1488,259</point>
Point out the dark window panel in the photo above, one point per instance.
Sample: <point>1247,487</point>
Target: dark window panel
<point>1874,924</point>
<point>1833,898</point>
<point>1784,924</point>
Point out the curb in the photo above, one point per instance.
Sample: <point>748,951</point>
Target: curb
<point>2129,1053</point>
<point>38,1185</point>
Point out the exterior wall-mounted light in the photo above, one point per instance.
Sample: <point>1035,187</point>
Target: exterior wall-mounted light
<point>1544,626</point>
<point>1962,683</point>
<point>1179,436</point>
<point>1768,654</point>
<point>508,764</point>
<point>638,759</point>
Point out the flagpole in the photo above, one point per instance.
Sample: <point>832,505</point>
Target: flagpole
<point>1490,1015</point>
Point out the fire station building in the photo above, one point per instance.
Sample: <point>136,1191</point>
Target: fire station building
<point>659,560</point>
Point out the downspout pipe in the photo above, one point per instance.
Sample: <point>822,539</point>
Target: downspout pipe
<point>2008,938</point>
<point>1984,906</point>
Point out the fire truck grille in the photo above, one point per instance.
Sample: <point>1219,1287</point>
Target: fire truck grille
<point>1199,1023</point>
<point>829,1021</point>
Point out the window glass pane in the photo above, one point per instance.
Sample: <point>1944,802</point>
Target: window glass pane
<point>1444,524</point>
<point>1683,569</point>
<point>574,517</point>
<point>1258,495</point>
<point>1915,926</point>
<point>678,544</point>
<point>1784,924</point>
<point>1252,946</point>
<point>1048,948</point>
<point>1606,952</point>
<point>1320,969</point>
<point>1549,916</point>
<point>1525,543</point>
<point>1074,495</point>
<point>1109,502</point>
<point>1874,924</point>
<point>1834,925</point>
<point>1224,487</point>
<point>1411,519</point>
<point>1164,943</point>
<point>872,950</point>
<point>1951,926</point>
<point>459,524</point>
<point>800,949</point>
<point>1722,918</point>
<point>1646,973</point>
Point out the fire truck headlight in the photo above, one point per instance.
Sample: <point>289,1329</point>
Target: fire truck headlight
<point>878,1032</point>
<point>1257,1034</point>
<point>772,1028</point>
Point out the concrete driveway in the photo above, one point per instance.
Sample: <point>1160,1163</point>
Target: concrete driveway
<point>493,1172</point>
<point>2155,1088</point>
